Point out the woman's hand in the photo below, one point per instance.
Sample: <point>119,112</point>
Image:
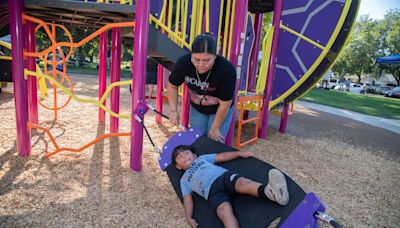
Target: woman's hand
<point>216,135</point>
<point>192,222</point>
<point>174,117</point>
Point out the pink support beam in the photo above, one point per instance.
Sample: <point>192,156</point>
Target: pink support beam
<point>16,7</point>
<point>139,73</point>
<point>115,76</point>
<point>237,50</point>
<point>262,133</point>
<point>185,107</point>
<point>31,65</point>
<point>103,73</point>
<point>160,88</point>
<point>284,118</point>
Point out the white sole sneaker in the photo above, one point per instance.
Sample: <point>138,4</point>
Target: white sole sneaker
<point>276,189</point>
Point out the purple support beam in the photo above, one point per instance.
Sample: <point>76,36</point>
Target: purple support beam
<point>237,50</point>
<point>103,73</point>
<point>254,53</point>
<point>262,133</point>
<point>139,74</point>
<point>16,7</point>
<point>284,118</point>
<point>115,76</point>
<point>160,88</point>
<point>31,65</point>
<point>254,57</point>
<point>185,107</point>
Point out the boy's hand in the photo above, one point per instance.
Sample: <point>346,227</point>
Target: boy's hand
<point>245,154</point>
<point>192,222</point>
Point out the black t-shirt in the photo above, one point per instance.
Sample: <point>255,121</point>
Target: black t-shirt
<point>214,85</point>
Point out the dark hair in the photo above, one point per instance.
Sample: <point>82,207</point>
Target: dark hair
<point>179,149</point>
<point>205,43</point>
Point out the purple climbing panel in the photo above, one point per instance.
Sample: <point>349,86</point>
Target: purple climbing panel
<point>182,138</point>
<point>188,21</point>
<point>303,215</point>
<point>215,8</point>
<point>156,7</point>
<point>248,45</point>
<point>315,20</point>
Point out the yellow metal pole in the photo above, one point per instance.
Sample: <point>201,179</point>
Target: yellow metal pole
<point>193,21</point>
<point>207,4</point>
<point>177,16</point>
<point>225,42</point>
<point>231,29</point>
<point>184,18</point>
<point>200,17</point>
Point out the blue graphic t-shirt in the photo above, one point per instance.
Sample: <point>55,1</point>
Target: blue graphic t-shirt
<point>200,176</point>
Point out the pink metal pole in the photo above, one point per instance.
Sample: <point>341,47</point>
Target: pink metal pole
<point>16,7</point>
<point>262,133</point>
<point>160,88</point>
<point>115,76</point>
<point>254,53</point>
<point>284,118</point>
<point>31,65</point>
<point>185,107</point>
<point>139,74</point>
<point>236,50</point>
<point>103,73</point>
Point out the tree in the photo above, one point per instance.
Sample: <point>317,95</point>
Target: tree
<point>390,43</point>
<point>363,47</point>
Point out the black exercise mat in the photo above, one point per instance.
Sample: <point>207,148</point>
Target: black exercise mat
<point>250,211</point>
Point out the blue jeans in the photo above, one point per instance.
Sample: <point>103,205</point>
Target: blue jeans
<point>203,122</point>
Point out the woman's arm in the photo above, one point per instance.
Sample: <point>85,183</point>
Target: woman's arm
<point>230,155</point>
<point>188,206</point>
<point>173,103</point>
<point>220,116</point>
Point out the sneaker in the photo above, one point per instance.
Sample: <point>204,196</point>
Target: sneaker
<point>276,189</point>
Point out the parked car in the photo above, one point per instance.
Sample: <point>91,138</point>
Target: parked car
<point>333,82</point>
<point>355,88</point>
<point>382,89</point>
<point>341,87</point>
<point>395,92</point>
<point>367,88</point>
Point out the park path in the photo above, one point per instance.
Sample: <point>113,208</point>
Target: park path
<point>362,131</point>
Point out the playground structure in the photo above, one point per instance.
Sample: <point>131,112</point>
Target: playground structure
<point>297,51</point>
<point>303,42</point>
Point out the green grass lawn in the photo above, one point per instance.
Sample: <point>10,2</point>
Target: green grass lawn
<point>367,104</point>
<point>91,68</point>
<point>125,73</point>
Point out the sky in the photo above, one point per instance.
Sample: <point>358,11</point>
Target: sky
<point>377,8</point>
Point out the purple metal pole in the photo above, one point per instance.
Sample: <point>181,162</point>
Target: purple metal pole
<point>185,107</point>
<point>31,65</point>
<point>103,73</point>
<point>262,133</point>
<point>16,7</point>
<point>139,74</point>
<point>237,50</point>
<point>284,118</point>
<point>115,76</point>
<point>254,53</point>
<point>160,88</point>
<point>254,57</point>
